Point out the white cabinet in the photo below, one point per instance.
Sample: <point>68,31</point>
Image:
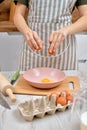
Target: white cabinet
<point>10,48</point>
<point>82,51</point>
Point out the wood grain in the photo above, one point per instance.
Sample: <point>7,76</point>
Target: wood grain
<point>6,16</point>
<point>7,26</point>
<point>23,87</point>
<point>7,10</point>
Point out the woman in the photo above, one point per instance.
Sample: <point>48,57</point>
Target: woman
<point>49,31</point>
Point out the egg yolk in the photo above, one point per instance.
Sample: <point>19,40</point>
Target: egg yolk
<point>46,80</point>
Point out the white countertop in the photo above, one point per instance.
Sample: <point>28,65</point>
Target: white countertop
<point>12,119</point>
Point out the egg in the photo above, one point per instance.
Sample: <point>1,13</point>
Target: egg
<point>68,95</point>
<point>69,98</point>
<point>61,100</point>
<point>47,80</point>
<point>62,97</point>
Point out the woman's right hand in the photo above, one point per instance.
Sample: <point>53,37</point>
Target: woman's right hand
<point>31,37</point>
<point>33,40</point>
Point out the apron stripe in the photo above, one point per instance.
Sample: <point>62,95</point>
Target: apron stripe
<point>44,17</point>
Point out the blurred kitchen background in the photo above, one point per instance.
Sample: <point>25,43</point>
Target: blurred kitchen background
<point>11,40</point>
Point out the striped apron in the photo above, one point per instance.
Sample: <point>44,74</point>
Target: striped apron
<point>44,17</point>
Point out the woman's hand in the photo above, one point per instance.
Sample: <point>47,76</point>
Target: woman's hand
<point>56,38</point>
<point>33,40</point>
<point>31,37</point>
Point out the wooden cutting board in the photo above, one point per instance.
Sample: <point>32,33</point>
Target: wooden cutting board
<point>23,87</point>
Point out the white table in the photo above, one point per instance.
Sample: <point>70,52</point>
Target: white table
<point>12,119</point>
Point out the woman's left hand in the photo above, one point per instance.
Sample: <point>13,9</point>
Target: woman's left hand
<point>56,38</point>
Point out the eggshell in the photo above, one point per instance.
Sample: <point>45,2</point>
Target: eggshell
<point>69,98</point>
<point>61,100</point>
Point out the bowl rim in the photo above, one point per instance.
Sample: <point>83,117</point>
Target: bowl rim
<point>46,83</point>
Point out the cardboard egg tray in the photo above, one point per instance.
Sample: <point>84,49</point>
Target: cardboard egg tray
<point>41,106</point>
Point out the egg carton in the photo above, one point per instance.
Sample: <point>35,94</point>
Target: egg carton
<point>40,107</point>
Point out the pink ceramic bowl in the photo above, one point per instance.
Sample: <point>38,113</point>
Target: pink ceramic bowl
<point>44,78</point>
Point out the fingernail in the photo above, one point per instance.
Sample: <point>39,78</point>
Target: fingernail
<point>50,51</point>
